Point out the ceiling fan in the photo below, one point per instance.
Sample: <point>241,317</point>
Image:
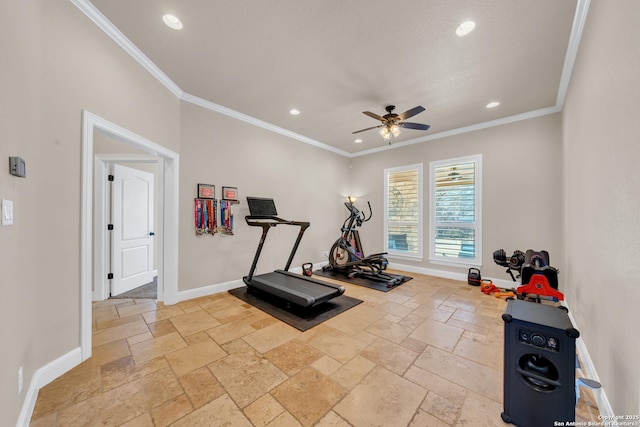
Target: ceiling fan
<point>392,122</point>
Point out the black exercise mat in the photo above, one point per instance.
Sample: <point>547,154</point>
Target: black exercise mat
<point>363,281</point>
<point>299,318</point>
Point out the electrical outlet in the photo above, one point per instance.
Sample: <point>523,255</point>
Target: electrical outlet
<point>325,254</point>
<point>20,380</point>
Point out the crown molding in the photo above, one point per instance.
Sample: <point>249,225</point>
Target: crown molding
<point>260,123</point>
<point>105,25</point>
<point>579,20</point>
<point>127,45</point>
<point>464,129</point>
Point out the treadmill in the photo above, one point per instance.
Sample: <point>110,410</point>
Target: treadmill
<point>293,288</point>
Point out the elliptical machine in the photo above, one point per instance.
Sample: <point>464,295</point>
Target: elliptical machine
<point>347,256</point>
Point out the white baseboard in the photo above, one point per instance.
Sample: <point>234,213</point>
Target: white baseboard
<point>58,367</point>
<point>208,290</point>
<point>589,371</point>
<point>588,368</point>
<point>226,286</point>
<point>44,376</point>
<point>501,283</point>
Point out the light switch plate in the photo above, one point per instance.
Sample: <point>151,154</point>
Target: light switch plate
<point>7,212</point>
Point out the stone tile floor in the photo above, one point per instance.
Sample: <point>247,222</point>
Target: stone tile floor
<point>428,353</point>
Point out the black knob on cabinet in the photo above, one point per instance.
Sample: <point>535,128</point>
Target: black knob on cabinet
<point>538,340</point>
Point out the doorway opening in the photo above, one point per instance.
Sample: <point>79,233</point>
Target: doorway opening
<point>107,227</point>
<point>167,226</point>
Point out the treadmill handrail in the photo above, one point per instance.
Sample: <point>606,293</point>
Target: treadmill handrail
<point>259,220</point>
<point>266,222</point>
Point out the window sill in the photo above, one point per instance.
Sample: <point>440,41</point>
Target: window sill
<point>465,264</point>
<point>416,258</point>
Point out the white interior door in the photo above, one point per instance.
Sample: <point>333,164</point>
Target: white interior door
<point>132,235</point>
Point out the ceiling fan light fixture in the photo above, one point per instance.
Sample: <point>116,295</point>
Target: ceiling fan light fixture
<point>392,122</point>
<point>172,22</point>
<point>465,28</point>
<point>385,132</point>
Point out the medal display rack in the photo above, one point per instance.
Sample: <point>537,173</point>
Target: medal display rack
<point>205,210</point>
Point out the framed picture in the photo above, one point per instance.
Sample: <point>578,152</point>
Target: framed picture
<point>230,194</point>
<point>206,191</point>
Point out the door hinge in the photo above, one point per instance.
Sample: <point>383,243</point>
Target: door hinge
<point>110,227</point>
<point>110,276</point>
<point>111,177</point>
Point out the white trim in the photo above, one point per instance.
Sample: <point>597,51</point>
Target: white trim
<point>477,226</point>
<point>86,235</point>
<point>100,221</point>
<point>102,201</point>
<point>257,122</point>
<point>44,376</point>
<point>453,275</point>
<point>385,239</point>
<point>167,214</point>
<point>464,129</point>
<point>127,45</point>
<point>460,263</point>
<point>588,368</point>
<point>404,257</point>
<point>204,291</point>
<point>429,271</point>
<point>112,31</point>
<point>226,286</point>
<point>577,28</point>
<point>589,371</point>
<point>579,20</point>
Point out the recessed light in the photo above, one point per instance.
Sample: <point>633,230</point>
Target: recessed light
<point>493,104</point>
<point>172,22</point>
<point>358,141</point>
<point>465,28</point>
<point>294,111</point>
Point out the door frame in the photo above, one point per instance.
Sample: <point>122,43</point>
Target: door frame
<point>168,211</point>
<point>102,205</point>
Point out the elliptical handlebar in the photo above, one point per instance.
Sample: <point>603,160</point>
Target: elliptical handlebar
<point>370,213</point>
<point>356,215</point>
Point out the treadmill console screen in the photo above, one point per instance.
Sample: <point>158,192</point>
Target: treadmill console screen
<point>260,206</point>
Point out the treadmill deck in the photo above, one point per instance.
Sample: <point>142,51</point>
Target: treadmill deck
<point>300,290</point>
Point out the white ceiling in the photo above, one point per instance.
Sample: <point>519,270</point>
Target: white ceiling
<point>334,59</point>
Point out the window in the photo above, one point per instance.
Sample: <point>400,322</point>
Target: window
<point>403,211</point>
<point>456,227</point>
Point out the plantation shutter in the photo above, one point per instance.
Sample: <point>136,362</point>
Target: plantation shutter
<point>454,215</point>
<point>403,209</point>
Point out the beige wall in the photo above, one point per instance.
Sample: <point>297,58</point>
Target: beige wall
<point>306,183</point>
<point>600,175</point>
<point>521,198</point>
<point>60,64</point>
<point>56,63</point>
<point>21,41</point>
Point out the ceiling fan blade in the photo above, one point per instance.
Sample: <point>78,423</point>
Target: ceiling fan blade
<point>374,115</point>
<point>417,126</point>
<point>372,127</point>
<point>412,112</point>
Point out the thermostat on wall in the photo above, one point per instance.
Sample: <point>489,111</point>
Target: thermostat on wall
<point>17,167</point>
